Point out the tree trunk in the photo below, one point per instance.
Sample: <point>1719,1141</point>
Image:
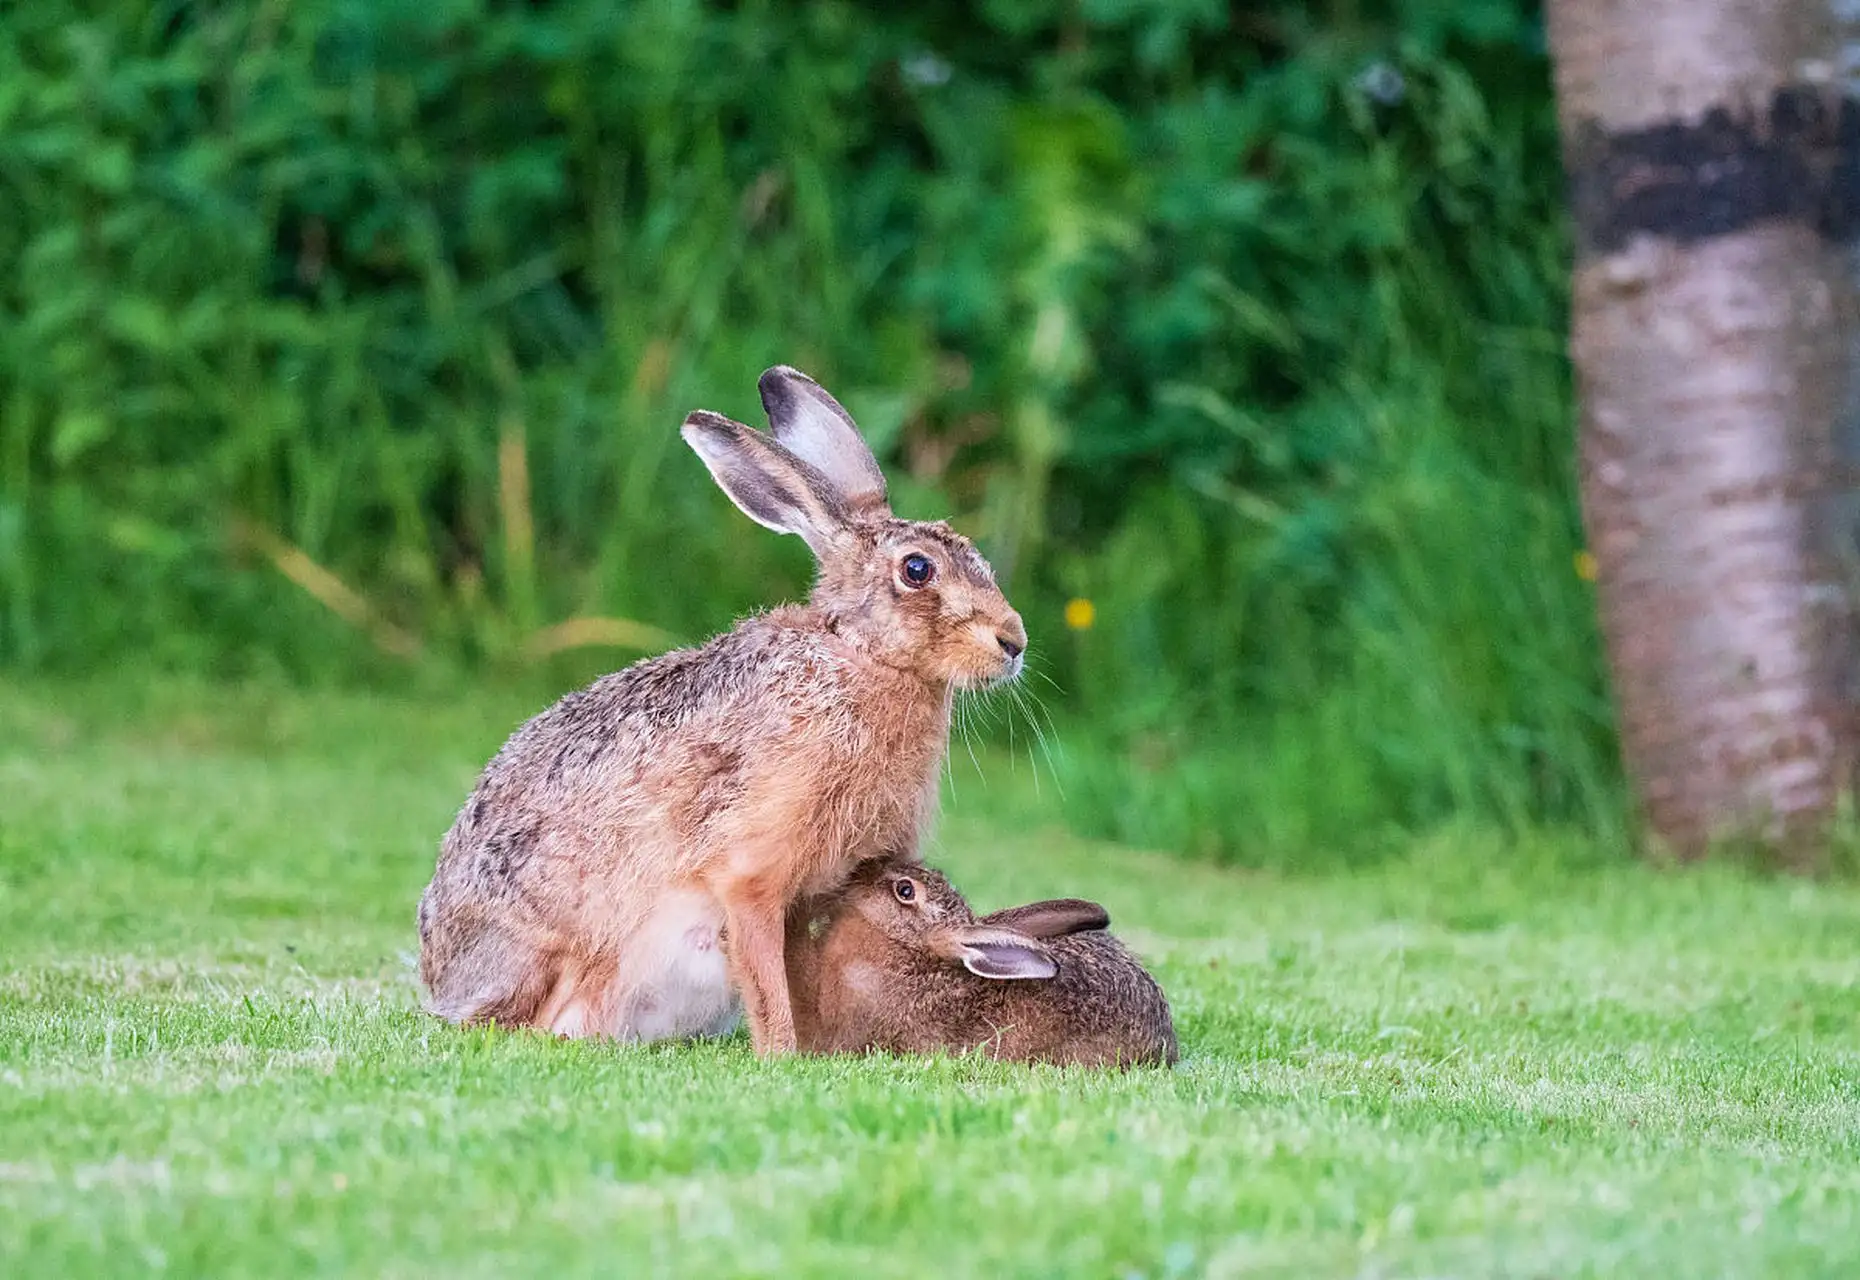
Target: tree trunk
<point>1714,170</point>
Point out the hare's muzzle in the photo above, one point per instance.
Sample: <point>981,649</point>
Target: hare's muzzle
<point>1011,635</point>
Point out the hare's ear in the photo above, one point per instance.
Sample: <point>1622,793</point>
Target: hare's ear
<point>813,426</point>
<point>993,953</point>
<point>771,486</point>
<point>1054,918</point>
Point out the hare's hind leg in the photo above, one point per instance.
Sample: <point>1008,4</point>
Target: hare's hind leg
<point>581,1000</point>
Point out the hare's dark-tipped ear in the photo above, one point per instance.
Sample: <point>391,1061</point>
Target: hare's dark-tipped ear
<point>989,952</point>
<point>1054,918</point>
<point>813,426</point>
<point>770,485</point>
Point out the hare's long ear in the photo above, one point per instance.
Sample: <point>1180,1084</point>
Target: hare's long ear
<point>771,486</point>
<point>1054,918</point>
<point>993,953</point>
<point>817,430</point>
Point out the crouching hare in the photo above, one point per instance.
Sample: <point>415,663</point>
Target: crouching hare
<point>619,838</point>
<point>898,961</point>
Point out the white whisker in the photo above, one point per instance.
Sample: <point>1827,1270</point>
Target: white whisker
<point>968,741</point>
<point>1040,721</point>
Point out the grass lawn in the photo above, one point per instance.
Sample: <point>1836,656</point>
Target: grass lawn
<point>1476,1061</point>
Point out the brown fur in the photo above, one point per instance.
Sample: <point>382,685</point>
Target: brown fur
<point>869,971</point>
<point>617,838</point>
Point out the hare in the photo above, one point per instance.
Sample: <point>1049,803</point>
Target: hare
<point>626,862</point>
<point>897,961</point>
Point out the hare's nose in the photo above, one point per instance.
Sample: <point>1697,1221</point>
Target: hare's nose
<point>1012,637</point>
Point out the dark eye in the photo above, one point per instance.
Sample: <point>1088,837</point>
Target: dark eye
<point>906,891</point>
<point>917,570</point>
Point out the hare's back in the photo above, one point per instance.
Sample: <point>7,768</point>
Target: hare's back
<point>733,689</point>
<point>1109,1002</point>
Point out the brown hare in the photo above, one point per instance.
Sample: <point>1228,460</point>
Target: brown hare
<point>897,961</point>
<point>627,840</point>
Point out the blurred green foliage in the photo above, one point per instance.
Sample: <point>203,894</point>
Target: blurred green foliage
<point>330,327</point>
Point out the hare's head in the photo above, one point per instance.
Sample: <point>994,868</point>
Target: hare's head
<point>914,594</point>
<point>919,911</point>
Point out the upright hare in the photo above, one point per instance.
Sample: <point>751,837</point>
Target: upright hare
<point>629,838</point>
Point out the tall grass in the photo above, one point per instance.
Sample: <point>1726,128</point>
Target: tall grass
<point>348,339</point>
<point>1380,622</point>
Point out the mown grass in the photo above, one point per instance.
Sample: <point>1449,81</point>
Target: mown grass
<point>1473,1060</point>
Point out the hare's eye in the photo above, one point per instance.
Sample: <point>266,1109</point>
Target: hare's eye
<point>905,890</point>
<point>917,570</point>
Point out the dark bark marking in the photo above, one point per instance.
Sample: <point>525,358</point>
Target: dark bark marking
<point>1798,158</point>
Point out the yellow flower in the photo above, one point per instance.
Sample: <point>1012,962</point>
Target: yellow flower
<point>1586,567</point>
<point>1080,614</point>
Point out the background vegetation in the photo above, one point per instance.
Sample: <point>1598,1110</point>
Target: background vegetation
<point>346,340</point>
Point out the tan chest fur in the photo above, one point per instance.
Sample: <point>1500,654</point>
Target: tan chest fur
<point>833,800</point>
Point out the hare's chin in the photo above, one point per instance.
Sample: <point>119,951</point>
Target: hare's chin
<point>1006,676</point>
